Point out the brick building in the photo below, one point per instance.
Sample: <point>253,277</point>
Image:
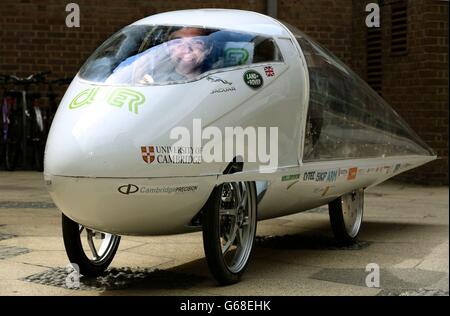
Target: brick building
<point>405,60</point>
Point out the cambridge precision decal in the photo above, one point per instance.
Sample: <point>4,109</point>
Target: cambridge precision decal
<point>132,189</point>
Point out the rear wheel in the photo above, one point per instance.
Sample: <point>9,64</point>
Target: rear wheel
<point>229,227</point>
<point>346,214</point>
<point>91,250</point>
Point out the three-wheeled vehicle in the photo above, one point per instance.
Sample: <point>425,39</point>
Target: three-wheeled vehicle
<point>118,161</point>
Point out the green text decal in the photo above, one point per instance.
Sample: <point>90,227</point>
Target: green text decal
<point>85,97</point>
<point>122,96</point>
<point>117,97</point>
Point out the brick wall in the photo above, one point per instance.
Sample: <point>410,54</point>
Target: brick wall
<point>416,83</point>
<point>329,22</point>
<point>34,38</point>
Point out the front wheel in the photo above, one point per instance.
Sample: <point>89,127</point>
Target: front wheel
<point>346,214</point>
<point>101,247</point>
<point>229,227</point>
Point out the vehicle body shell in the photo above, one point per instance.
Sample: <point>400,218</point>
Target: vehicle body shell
<point>97,175</point>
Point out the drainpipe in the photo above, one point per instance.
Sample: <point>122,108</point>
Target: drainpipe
<point>272,8</point>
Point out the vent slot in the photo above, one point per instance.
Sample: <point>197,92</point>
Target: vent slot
<point>375,58</point>
<point>399,28</point>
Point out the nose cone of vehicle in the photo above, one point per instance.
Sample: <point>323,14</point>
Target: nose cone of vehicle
<point>99,131</point>
<point>89,135</point>
<point>111,131</point>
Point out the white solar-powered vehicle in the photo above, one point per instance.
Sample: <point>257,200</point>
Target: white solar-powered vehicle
<point>113,167</point>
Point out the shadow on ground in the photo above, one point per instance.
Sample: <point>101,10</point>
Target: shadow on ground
<point>193,273</point>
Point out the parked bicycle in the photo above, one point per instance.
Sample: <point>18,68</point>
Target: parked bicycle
<point>23,123</point>
<point>53,98</point>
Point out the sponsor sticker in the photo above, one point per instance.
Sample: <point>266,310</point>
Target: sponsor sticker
<point>253,79</point>
<point>128,189</point>
<point>309,176</point>
<point>171,155</point>
<point>132,189</point>
<point>343,172</point>
<point>321,176</point>
<point>219,80</point>
<point>148,154</point>
<point>120,97</point>
<point>290,177</point>
<point>269,71</point>
<point>223,90</point>
<point>352,173</point>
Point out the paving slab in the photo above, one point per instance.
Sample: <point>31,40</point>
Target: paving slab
<point>405,232</point>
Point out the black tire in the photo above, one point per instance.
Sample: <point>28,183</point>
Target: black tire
<point>346,226</point>
<point>76,253</point>
<point>212,242</point>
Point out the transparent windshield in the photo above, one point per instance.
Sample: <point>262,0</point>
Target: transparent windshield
<point>145,54</point>
<point>346,118</point>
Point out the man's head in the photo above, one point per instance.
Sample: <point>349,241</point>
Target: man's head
<point>188,49</point>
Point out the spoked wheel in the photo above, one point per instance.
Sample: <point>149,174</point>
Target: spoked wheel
<point>229,227</point>
<point>91,250</point>
<point>346,214</point>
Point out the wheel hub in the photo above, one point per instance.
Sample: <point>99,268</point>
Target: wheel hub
<point>235,230</point>
<point>352,211</point>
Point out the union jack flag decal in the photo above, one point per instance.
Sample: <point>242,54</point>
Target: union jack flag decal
<point>148,154</point>
<point>269,71</point>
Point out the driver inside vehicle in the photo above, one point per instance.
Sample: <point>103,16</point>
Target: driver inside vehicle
<point>187,49</point>
<point>181,57</point>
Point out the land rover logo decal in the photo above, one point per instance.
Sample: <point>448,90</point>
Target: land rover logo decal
<point>253,79</point>
<point>128,189</point>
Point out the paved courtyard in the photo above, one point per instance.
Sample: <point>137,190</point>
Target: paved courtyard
<point>405,232</point>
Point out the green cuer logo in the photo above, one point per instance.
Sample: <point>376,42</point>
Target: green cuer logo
<point>253,79</point>
<point>236,56</point>
<point>122,96</point>
<point>85,97</point>
<point>117,98</point>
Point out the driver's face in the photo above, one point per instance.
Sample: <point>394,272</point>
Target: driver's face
<point>187,53</point>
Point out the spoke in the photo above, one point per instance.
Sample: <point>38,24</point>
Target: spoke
<point>245,222</point>
<point>226,247</point>
<point>243,202</point>
<point>239,236</point>
<point>229,212</point>
<point>237,187</point>
<point>230,241</point>
<point>91,243</point>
